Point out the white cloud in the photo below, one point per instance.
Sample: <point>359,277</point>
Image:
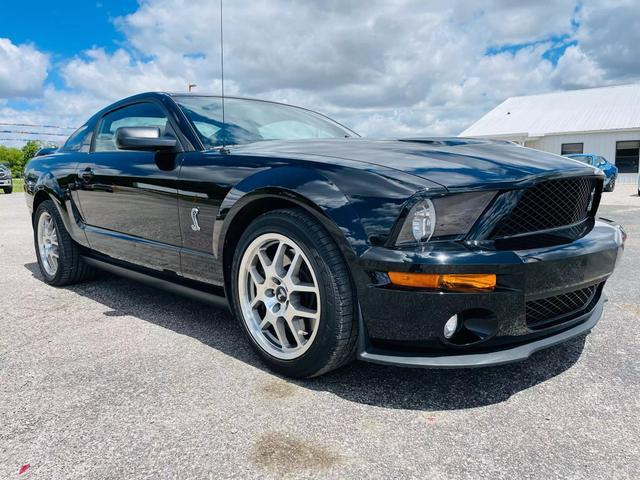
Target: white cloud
<point>384,67</point>
<point>609,37</point>
<point>107,76</point>
<point>23,70</point>
<point>576,69</point>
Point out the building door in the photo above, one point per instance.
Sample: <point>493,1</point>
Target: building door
<point>628,156</point>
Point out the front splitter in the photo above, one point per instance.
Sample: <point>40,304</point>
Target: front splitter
<point>499,357</point>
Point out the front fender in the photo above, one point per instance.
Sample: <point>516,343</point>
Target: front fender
<point>307,188</point>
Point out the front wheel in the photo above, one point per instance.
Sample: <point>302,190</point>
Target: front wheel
<point>611,186</point>
<point>8,190</point>
<point>293,294</point>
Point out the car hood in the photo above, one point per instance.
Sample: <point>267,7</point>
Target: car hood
<point>450,162</point>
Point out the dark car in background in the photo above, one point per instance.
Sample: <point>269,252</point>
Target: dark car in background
<point>609,169</point>
<point>6,178</point>
<point>425,252</point>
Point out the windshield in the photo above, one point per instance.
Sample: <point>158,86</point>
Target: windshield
<point>248,121</point>
<point>581,158</point>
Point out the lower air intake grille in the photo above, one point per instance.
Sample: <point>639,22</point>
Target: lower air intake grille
<point>549,311</point>
<point>550,204</point>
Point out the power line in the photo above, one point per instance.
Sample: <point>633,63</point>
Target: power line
<point>25,140</point>
<point>25,132</point>
<point>33,125</point>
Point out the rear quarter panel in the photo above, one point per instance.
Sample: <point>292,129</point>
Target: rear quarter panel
<point>54,177</point>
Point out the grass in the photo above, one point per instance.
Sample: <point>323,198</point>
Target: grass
<point>18,185</point>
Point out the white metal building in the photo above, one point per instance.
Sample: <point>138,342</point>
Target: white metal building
<point>604,121</point>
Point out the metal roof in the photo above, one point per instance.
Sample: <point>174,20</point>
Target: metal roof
<point>588,110</point>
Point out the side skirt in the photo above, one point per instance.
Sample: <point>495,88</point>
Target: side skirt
<point>186,291</point>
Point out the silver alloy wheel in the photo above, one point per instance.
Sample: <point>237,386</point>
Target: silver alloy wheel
<point>279,296</point>
<point>48,243</point>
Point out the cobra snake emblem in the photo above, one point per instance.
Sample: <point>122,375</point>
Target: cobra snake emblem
<point>195,226</point>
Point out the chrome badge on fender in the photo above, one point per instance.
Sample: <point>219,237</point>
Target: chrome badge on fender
<point>195,226</point>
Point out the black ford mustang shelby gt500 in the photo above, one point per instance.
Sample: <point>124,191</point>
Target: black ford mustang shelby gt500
<point>443,252</point>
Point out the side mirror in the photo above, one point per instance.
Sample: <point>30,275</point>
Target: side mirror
<point>143,138</point>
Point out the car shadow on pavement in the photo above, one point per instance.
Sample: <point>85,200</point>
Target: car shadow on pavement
<point>370,384</point>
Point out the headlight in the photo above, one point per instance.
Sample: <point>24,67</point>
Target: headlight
<point>448,217</point>
<point>423,220</point>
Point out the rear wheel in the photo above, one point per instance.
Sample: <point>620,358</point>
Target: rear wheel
<point>58,256</point>
<point>293,295</point>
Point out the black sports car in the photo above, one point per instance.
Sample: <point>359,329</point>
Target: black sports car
<point>443,252</point>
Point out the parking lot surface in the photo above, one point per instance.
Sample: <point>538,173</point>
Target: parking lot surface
<point>113,379</point>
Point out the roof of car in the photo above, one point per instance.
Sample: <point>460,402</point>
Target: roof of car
<point>162,94</point>
<point>226,97</point>
<point>158,93</point>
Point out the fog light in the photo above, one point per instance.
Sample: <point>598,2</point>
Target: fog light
<point>450,327</point>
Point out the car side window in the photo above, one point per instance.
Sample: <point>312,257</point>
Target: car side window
<point>582,159</point>
<point>145,114</point>
<point>79,141</point>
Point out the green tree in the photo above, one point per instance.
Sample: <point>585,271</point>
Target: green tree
<point>13,157</point>
<point>30,149</point>
<point>19,158</point>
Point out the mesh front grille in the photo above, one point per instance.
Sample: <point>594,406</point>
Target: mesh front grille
<point>553,310</point>
<point>551,204</point>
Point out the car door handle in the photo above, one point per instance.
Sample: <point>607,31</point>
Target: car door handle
<point>87,174</point>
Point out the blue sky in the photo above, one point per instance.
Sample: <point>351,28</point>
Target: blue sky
<point>383,67</point>
<point>64,27</point>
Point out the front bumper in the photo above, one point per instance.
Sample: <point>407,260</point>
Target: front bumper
<point>473,360</point>
<point>404,326</point>
<point>5,182</point>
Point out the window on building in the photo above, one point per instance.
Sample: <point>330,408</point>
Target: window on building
<point>571,148</point>
<point>627,154</point>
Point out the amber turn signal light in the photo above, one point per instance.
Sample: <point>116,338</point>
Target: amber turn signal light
<point>460,282</point>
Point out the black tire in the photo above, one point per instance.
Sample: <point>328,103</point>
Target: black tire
<point>8,190</point>
<point>611,186</point>
<point>335,341</point>
<point>71,267</point>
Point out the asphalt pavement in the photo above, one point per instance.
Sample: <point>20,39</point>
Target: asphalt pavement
<point>113,379</point>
